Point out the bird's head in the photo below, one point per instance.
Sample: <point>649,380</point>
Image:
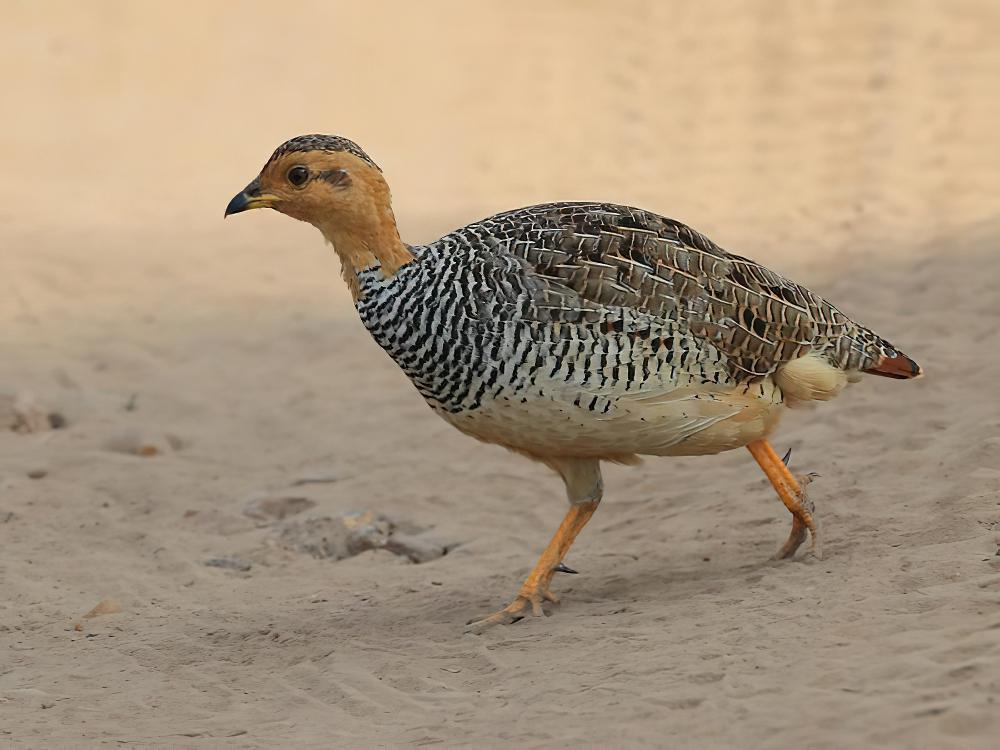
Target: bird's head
<point>331,183</point>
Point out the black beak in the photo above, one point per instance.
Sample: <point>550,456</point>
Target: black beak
<point>249,197</point>
<point>240,202</point>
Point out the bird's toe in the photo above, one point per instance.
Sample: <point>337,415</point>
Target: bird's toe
<point>795,538</point>
<point>526,603</point>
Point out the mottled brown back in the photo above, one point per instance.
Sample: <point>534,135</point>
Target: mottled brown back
<point>617,256</point>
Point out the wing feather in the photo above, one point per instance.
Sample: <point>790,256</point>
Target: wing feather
<point>592,261</point>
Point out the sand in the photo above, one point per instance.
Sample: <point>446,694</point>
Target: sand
<point>851,146</point>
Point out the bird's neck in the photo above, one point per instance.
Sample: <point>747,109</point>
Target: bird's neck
<point>368,244</point>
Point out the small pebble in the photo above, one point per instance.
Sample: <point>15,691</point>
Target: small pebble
<point>23,414</point>
<point>315,479</point>
<point>418,548</point>
<point>37,474</point>
<point>136,443</point>
<point>230,563</point>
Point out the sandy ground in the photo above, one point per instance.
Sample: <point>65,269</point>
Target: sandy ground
<point>851,146</point>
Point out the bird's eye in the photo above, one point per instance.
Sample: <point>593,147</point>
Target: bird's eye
<point>298,176</point>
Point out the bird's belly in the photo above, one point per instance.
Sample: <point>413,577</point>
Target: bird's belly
<point>694,420</point>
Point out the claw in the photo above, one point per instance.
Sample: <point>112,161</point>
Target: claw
<point>788,455</point>
<point>526,603</point>
<point>563,568</point>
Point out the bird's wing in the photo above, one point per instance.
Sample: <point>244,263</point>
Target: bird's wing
<point>613,267</point>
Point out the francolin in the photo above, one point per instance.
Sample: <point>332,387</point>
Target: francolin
<point>575,333</point>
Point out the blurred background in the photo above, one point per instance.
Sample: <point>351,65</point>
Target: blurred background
<point>778,128</point>
<point>193,362</point>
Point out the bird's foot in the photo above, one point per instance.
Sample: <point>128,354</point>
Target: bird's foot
<point>803,523</point>
<point>535,590</point>
<point>530,601</point>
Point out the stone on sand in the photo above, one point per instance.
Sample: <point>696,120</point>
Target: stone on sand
<point>22,413</point>
<point>340,537</point>
<point>138,442</point>
<point>230,563</point>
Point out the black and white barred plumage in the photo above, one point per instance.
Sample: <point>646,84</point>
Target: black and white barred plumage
<point>575,296</point>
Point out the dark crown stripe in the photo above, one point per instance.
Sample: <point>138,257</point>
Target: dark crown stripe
<point>319,142</point>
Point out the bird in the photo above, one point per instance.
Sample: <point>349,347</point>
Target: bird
<point>578,333</point>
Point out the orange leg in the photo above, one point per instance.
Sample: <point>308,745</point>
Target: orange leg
<point>535,589</point>
<point>791,495</point>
